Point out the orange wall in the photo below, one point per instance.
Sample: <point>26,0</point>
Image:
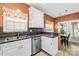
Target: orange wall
<point>73,16</point>
<point>23,7</point>
<point>48,18</point>
<point>1,21</point>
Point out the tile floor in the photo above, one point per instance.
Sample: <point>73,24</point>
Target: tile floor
<point>72,50</point>
<point>41,53</point>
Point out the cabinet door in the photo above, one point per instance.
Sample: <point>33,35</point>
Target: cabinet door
<point>36,18</point>
<point>40,20</point>
<point>11,49</point>
<point>47,45</point>
<point>44,43</point>
<point>25,49</point>
<point>55,45</point>
<point>50,46</point>
<point>11,52</point>
<point>0,50</point>
<point>32,17</point>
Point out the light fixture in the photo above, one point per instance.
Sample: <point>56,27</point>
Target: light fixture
<point>18,10</point>
<point>66,10</point>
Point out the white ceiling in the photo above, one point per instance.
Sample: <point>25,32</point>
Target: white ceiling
<point>57,9</point>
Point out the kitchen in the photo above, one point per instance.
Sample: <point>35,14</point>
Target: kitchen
<point>25,30</point>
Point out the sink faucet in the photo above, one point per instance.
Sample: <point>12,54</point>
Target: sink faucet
<point>18,34</point>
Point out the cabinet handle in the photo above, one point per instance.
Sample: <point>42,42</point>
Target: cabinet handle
<point>0,48</point>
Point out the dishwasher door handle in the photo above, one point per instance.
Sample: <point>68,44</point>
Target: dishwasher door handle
<point>35,39</point>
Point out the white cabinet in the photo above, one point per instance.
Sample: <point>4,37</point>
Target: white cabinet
<point>0,50</point>
<point>44,42</point>
<point>11,49</point>
<point>50,45</point>
<point>25,49</point>
<point>17,48</point>
<point>55,46</point>
<point>36,18</point>
<point>47,44</point>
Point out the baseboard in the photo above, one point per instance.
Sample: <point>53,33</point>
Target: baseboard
<point>74,43</point>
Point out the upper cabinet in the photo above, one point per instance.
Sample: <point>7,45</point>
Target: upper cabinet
<point>36,18</point>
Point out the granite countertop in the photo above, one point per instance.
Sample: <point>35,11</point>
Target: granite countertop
<point>51,36</point>
<point>22,37</point>
<point>12,39</point>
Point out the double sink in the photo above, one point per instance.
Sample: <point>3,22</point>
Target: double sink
<point>21,37</point>
<point>9,39</point>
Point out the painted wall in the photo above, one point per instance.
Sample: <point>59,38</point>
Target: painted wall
<point>73,16</point>
<point>1,21</point>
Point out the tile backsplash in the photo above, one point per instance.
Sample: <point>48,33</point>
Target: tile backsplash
<point>30,31</point>
<point>1,30</point>
<point>35,30</point>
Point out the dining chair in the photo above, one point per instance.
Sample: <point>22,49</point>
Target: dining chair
<point>67,41</point>
<point>62,40</point>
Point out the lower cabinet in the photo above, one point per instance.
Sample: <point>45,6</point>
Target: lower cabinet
<point>18,48</point>
<point>25,49</point>
<point>44,43</point>
<point>50,45</point>
<point>0,50</point>
<point>11,51</point>
<point>11,48</point>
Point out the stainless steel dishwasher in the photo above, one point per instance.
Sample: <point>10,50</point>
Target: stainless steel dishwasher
<point>36,44</point>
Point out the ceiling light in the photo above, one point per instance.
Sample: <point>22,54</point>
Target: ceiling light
<point>66,10</point>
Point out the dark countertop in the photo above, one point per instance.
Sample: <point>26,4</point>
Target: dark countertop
<point>51,36</point>
<point>5,40</point>
<point>22,37</point>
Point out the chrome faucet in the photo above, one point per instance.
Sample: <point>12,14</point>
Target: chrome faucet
<point>18,34</point>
